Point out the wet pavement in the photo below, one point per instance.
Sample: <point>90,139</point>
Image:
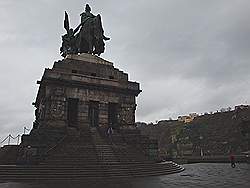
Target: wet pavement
<point>195,175</point>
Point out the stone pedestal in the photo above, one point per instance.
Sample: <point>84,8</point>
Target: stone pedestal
<point>79,99</point>
<point>84,91</point>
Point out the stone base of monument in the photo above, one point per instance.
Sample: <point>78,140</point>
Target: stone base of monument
<point>78,102</point>
<point>90,156</point>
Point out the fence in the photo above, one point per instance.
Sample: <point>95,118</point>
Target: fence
<point>9,138</point>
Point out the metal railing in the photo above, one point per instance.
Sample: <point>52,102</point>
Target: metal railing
<point>9,137</point>
<point>54,146</point>
<point>8,140</point>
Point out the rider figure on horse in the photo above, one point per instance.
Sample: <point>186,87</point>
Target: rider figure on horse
<point>90,38</point>
<point>91,33</point>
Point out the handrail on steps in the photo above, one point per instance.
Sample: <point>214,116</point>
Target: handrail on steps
<point>53,147</point>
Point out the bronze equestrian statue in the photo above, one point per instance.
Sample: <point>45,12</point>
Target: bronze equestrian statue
<point>90,39</point>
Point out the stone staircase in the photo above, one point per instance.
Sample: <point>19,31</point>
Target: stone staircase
<point>64,172</point>
<point>92,148</point>
<point>89,156</point>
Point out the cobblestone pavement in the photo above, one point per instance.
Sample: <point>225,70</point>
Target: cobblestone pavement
<point>196,175</point>
<point>210,175</point>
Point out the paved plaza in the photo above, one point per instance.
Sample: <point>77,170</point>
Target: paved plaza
<point>195,175</point>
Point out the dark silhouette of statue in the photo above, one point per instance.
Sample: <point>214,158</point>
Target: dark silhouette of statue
<point>90,39</point>
<point>69,40</point>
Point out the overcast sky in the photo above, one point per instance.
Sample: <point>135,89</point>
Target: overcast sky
<point>188,55</point>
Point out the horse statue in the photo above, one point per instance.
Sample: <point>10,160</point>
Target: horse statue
<point>90,38</point>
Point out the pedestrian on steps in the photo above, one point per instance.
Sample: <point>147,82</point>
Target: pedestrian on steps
<point>232,160</point>
<point>110,132</point>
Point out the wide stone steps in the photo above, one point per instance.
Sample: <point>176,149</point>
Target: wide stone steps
<point>98,158</point>
<point>98,149</point>
<point>84,161</point>
<point>76,154</point>
<point>40,172</point>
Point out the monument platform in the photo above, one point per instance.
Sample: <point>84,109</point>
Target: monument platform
<point>85,119</point>
<point>88,58</point>
<point>83,98</point>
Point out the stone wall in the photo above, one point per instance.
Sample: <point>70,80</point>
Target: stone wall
<point>56,105</point>
<point>87,81</point>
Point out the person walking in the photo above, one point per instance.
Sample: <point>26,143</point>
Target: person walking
<point>232,160</point>
<point>110,132</point>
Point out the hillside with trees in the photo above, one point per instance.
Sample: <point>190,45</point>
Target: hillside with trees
<point>210,134</point>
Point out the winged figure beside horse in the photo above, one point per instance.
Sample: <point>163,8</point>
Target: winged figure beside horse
<point>88,37</point>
